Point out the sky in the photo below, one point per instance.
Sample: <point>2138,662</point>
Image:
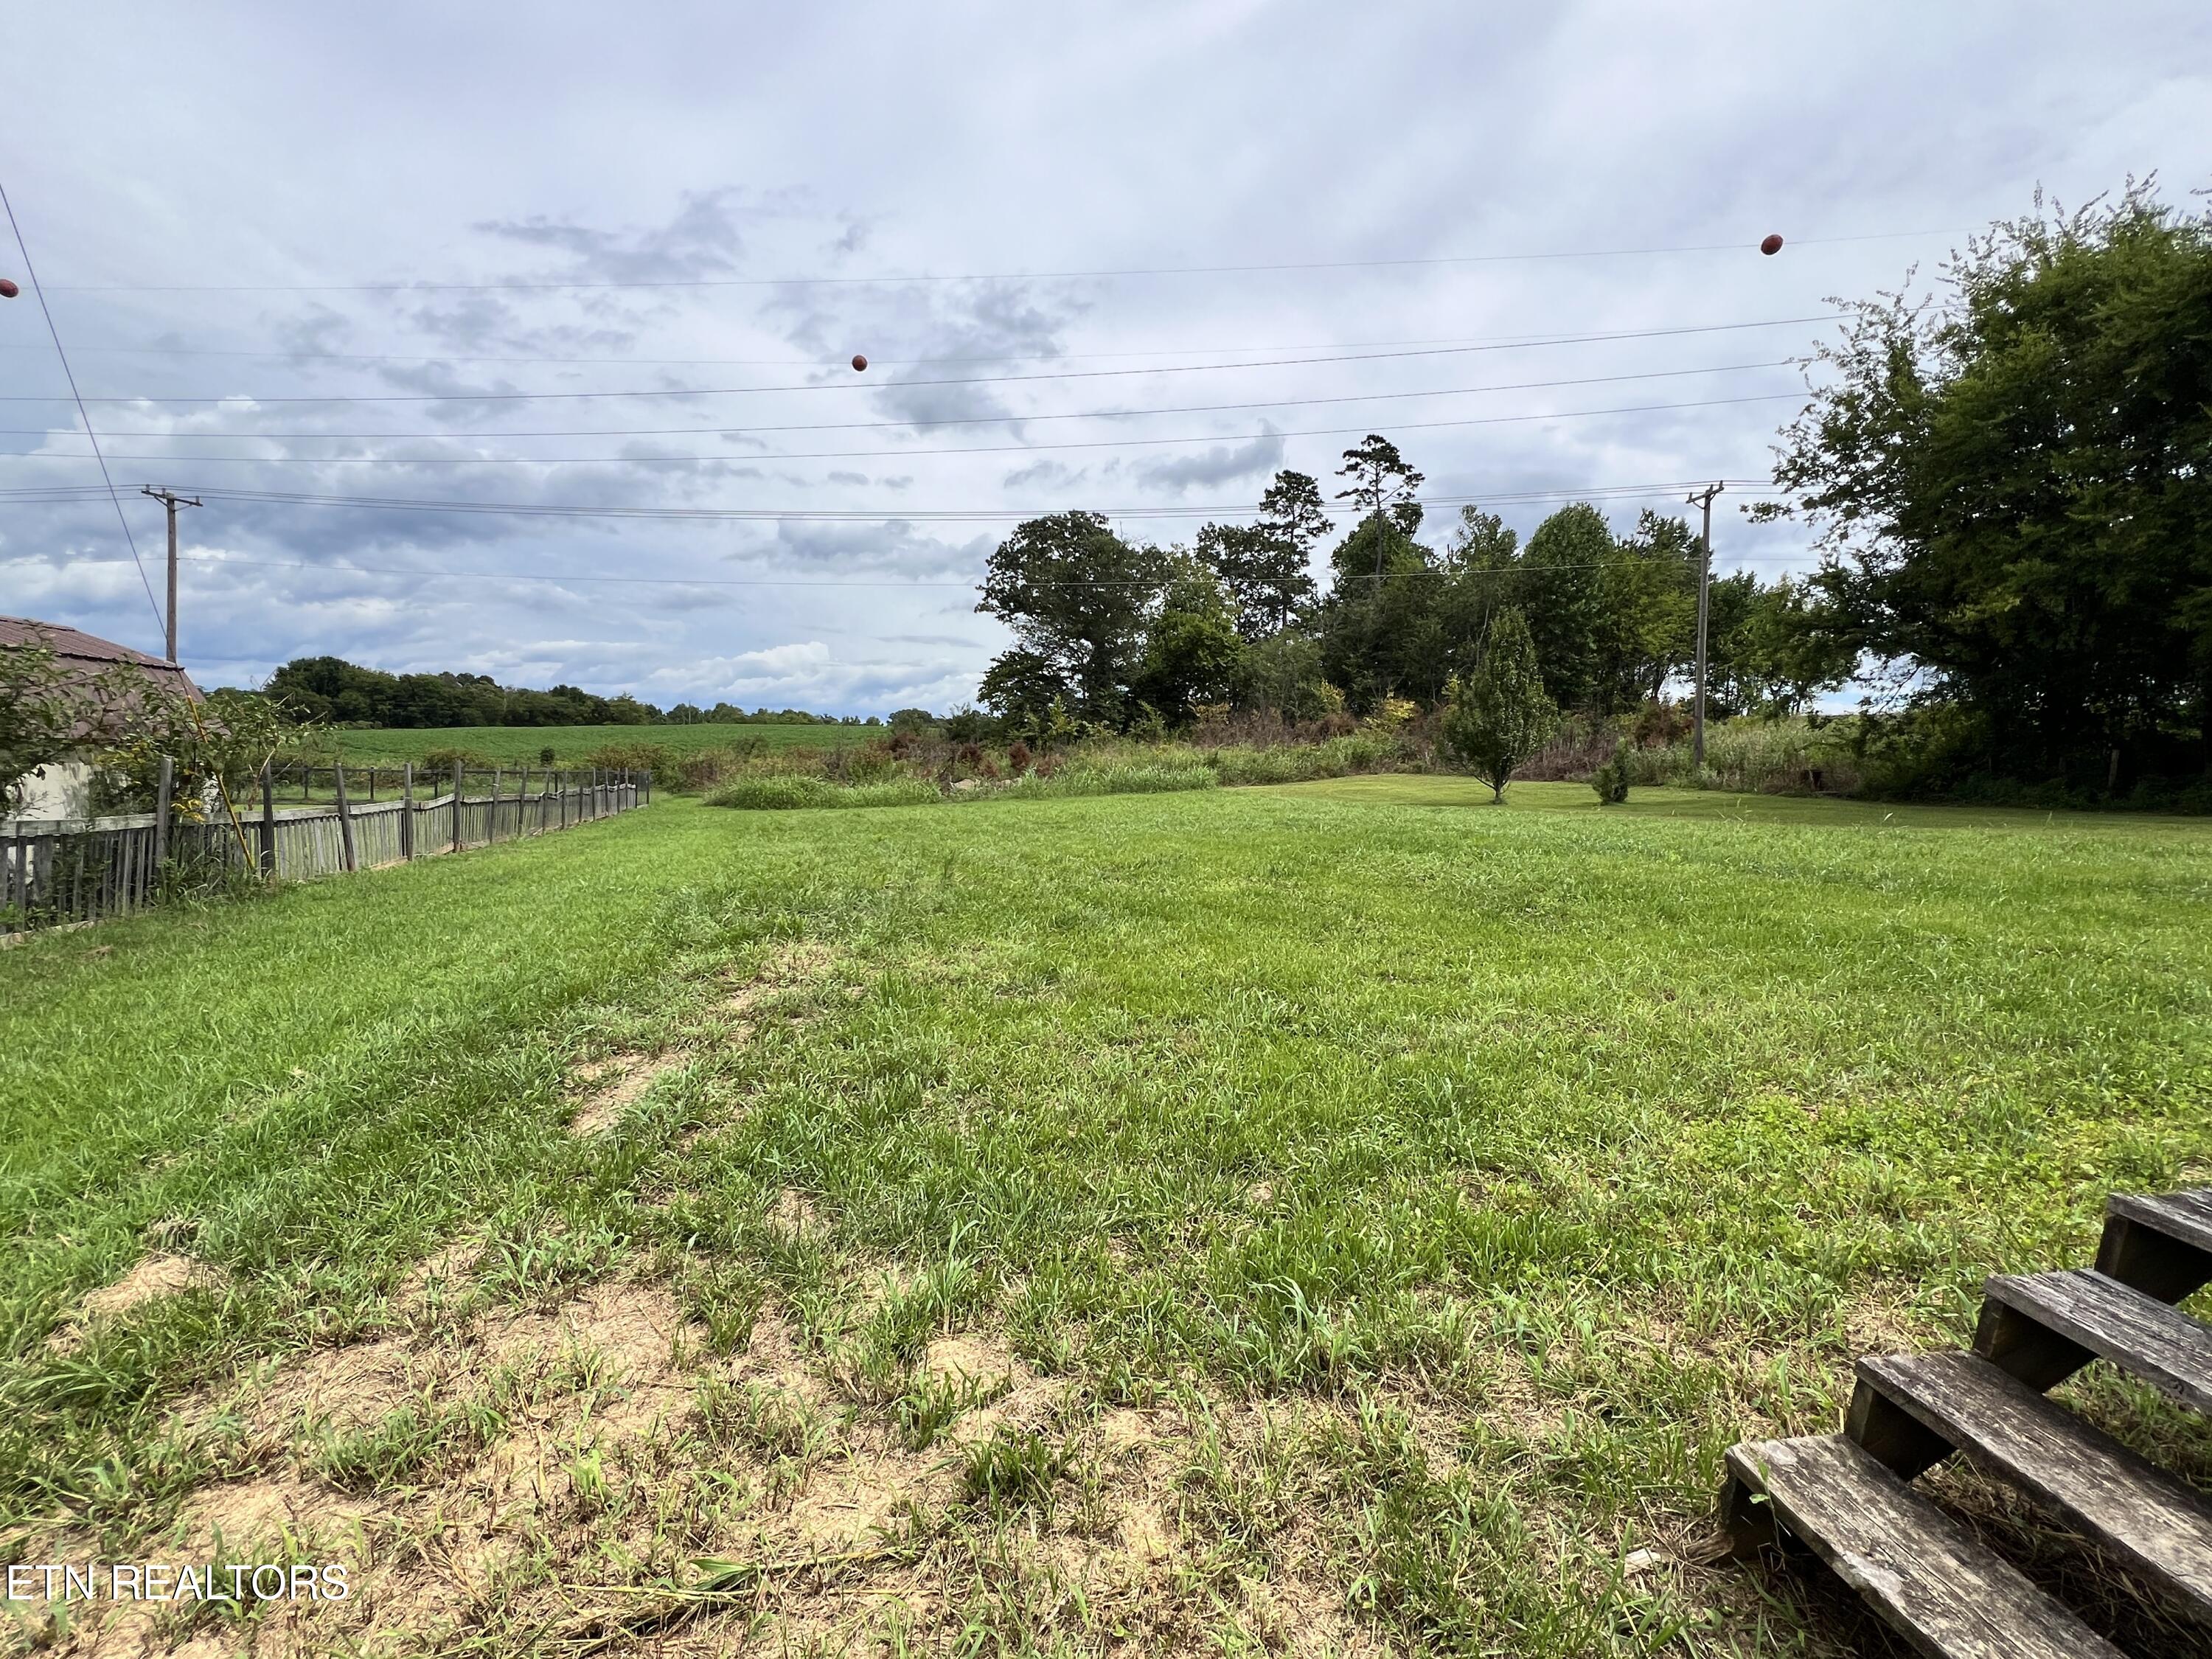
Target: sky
<point>366,280</point>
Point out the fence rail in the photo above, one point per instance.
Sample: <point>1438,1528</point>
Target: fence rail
<point>57,872</point>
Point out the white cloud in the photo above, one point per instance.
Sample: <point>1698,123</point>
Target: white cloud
<point>701,144</point>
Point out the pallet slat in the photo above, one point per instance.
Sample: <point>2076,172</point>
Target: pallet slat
<point>2137,1510</point>
<point>2094,1315</point>
<point>2159,1243</point>
<point>1930,1580</point>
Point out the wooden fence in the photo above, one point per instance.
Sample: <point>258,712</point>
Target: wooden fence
<point>57,871</point>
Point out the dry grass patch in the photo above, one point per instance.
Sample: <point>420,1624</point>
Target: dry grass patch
<point>618,1082</point>
<point>159,1274</point>
<point>792,1213</point>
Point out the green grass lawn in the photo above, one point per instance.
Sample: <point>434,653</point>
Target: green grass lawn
<point>519,746</point>
<point>1337,1217</point>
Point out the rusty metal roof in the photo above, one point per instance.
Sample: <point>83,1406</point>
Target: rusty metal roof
<point>84,657</point>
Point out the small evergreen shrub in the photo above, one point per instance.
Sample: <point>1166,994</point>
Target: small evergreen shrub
<point>1611,780</point>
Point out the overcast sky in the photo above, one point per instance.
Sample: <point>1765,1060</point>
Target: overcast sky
<point>256,204</point>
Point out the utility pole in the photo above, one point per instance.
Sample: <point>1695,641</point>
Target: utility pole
<point>170,498</point>
<point>1704,498</point>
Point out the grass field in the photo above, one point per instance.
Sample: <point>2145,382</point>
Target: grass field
<point>1336,1218</point>
<point>519,746</point>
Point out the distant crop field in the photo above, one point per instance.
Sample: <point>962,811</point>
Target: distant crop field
<point>1338,1217</point>
<point>521,744</point>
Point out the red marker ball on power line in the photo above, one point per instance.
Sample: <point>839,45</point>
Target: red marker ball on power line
<point>859,362</point>
<point>8,289</point>
<point>1772,245</point>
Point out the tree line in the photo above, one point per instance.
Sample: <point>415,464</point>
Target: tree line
<point>2011,482</point>
<point>1125,634</point>
<point>331,691</point>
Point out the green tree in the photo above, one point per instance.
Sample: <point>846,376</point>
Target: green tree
<point>1020,685</point>
<point>42,716</point>
<point>1499,716</point>
<point>1378,631</point>
<point>1646,614</point>
<point>1192,649</point>
<point>1562,593</point>
<point>1284,674</point>
<point>1477,577</point>
<point>1078,598</point>
<point>1263,565</point>
<point>2014,487</point>
<point>1382,484</point>
<point>1768,648</point>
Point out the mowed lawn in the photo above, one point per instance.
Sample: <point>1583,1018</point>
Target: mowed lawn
<point>1338,1217</point>
<point>520,745</point>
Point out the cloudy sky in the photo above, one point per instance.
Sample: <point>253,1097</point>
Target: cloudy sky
<point>609,265</point>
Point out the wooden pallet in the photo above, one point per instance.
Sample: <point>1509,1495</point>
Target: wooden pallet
<point>1847,1496</point>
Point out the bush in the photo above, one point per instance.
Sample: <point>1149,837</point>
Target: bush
<point>657,759</point>
<point>701,771</point>
<point>1795,756</point>
<point>1139,779</point>
<point>786,793</point>
<point>441,762</point>
<point>1611,780</point>
<point>1337,757</point>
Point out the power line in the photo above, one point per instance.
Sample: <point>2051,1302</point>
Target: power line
<point>910,454</point>
<point>980,276</point>
<point>415,504</point>
<point>856,384</point>
<point>563,580</point>
<point>958,420</point>
<point>46,311</point>
<point>874,362</point>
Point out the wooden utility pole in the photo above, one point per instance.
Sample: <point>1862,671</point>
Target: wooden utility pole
<point>1704,498</point>
<point>170,498</point>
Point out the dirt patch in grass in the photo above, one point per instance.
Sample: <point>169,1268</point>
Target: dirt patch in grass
<point>792,1213</point>
<point>343,1388</point>
<point>774,1357</point>
<point>618,1081</point>
<point>971,1358</point>
<point>221,1520</point>
<point>441,1277</point>
<point>157,1275</point>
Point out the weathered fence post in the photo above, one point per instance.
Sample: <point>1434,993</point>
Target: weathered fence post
<point>407,811</point>
<point>164,787</point>
<point>268,821</point>
<point>491,819</point>
<point>560,788</point>
<point>345,820</point>
<point>457,806</point>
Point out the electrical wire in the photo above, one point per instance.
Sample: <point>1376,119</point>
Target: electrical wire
<point>981,276</point>
<point>957,420</point>
<point>527,509</point>
<point>909,454</point>
<point>756,582</point>
<point>856,384</point>
<point>874,362</point>
<point>160,621</point>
